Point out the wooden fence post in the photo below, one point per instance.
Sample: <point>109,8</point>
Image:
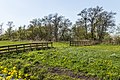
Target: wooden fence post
<point>36,46</point>
<point>16,49</point>
<point>24,47</point>
<point>47,44</point>
<point>8,49</point>
<point>70,43</point>
<point>42,45</point>
<point>30,47</point>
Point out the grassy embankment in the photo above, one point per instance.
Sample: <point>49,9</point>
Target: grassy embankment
<point>99,61</point>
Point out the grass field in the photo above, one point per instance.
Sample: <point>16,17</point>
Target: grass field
<point>63,63</point>
<point>2,43</point>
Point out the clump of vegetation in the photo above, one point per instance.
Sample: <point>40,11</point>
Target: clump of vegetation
<point>101,61</point>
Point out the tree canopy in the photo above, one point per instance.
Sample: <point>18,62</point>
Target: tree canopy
<point>93,24</point>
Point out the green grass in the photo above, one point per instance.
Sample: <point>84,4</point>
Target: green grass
<point>102,61</point>
<point>61,44</point>
<point>2,43</point>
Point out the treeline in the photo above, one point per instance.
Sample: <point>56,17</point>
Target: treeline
<point>93,24</point>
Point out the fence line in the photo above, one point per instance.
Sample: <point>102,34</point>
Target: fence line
<point>25,47</point>
<point>83,43</point>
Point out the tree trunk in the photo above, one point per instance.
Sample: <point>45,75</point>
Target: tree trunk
<point>56,33</point>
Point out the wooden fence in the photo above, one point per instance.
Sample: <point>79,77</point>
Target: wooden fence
<point>25,47</point>
<point>83,43</point>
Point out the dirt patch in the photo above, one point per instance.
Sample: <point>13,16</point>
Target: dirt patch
<point>62,71</point>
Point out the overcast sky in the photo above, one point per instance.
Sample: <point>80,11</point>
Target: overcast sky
<point>22,11</point>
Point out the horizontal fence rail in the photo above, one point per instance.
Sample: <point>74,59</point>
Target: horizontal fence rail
<point>83,43</point>
<point>25,47</point>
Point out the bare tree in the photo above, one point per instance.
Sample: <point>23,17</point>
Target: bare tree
<point>57,20</point>
<point>84,20</point>
<point>65,30</point>
<point>1,28</point>
<point>9,30</point>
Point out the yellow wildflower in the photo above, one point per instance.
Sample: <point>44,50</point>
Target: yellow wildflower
<point>8,77</point>
<point>26,75</point>
<point>19,77</point>
<point>24,79</point>
<point>1,78</point>
<point>4,71</point>
<point>1,67</point>
<point>14,71</point>
<point>14,67</point>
